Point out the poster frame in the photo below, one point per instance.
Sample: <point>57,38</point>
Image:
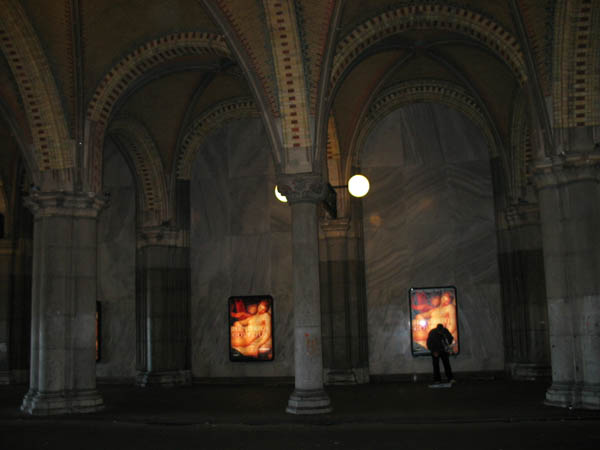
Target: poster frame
<point>250,299</point>
<point>426,289</point>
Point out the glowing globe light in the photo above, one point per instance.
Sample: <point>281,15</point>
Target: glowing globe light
<point>358,186</point>
<point>280,196</point>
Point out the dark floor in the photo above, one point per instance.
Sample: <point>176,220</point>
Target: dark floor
<point>470,415</point>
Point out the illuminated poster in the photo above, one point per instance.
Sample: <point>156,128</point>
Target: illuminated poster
<point>428,308</point>
<point>250,328</point>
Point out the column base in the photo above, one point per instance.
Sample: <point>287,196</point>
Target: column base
<point>62,402</point>
<point>529,371</point>
<point>309,401</point>
<point>562,395</point>
<point>346,376</point>
<point>167,378</point>
<point>590,397</point>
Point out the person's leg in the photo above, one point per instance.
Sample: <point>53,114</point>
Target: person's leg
<point>447,368</point>
<point>436,368</point>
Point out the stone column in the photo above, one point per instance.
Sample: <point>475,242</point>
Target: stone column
<point>304,192</point>
<point>521,260</point>
<point>6,258</point>
<point>163,308</point>
<point>570,212</point>
<point>343,305</point>
<point>63,364</point>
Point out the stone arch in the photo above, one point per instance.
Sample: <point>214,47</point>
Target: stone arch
<point>576,64</point>
<point>143,153</point>
<point>53,148</point>
<point>521,148</point>
<point>207,122</point>
<point>423,91</point>
<point>433,16</point>
<point>126,73</point>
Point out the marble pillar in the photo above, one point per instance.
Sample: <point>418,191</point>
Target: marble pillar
<point>521,262</point>
<point>6,252</point>
<point>303,193</point>
<point>569,196</point>
<point>163,308</point>
<point>343,304</point>
<point>63,365</point>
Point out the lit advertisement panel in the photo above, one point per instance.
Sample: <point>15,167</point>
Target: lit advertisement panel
<point>428,308</point>
<point>250,328</point>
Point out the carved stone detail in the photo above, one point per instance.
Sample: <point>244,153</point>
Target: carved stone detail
<point>567,168</point>
<point>162,236</point>
<point>523,214</point>
<point>72,204</point>
<point>302,188</point>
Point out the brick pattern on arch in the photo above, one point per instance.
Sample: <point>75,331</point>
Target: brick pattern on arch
<point>131,67</point>
<point>53,147</point>
<point>536,15</point>
<point>433,16</point>
<point>424,91</point>
<point>521,148</point>
<point>290,75</point>
<point>211,120</point>
<point>576,64</point>
<point>148,166</point>
<point>247,20</point>
<point>314,20</point>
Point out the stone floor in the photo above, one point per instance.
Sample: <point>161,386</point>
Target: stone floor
<point>471,415</point>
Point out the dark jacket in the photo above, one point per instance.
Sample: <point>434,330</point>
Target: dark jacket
<point>435,339</point>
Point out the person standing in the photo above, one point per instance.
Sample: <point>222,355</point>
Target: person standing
<point>438,340</point>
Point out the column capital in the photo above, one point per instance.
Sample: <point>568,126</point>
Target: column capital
<point>302,187</point>
<point>567,168</point>
<point>72,204</point>
<point>162,236</point>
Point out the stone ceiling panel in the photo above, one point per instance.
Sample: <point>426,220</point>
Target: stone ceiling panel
<point>356,90</point>
<point>137,22</point>
<point>161,106</point>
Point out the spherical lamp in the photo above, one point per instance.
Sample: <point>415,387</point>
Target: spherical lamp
<point>282,198</point>
<point>358,185</point>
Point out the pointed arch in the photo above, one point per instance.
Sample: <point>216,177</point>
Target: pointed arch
<point>423,91</point>
<point>53,148</point>
<point>143,153</point>
<point>121,77</point>
<point>469,23</point>
<point>521,148</point>
<point>207,122</point>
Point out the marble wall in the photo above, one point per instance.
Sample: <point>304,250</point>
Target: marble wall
<point>240,245</point>
<point>116,270</point>
<point>429,221</point>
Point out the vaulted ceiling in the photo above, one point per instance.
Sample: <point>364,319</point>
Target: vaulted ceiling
<point>165,63</point>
